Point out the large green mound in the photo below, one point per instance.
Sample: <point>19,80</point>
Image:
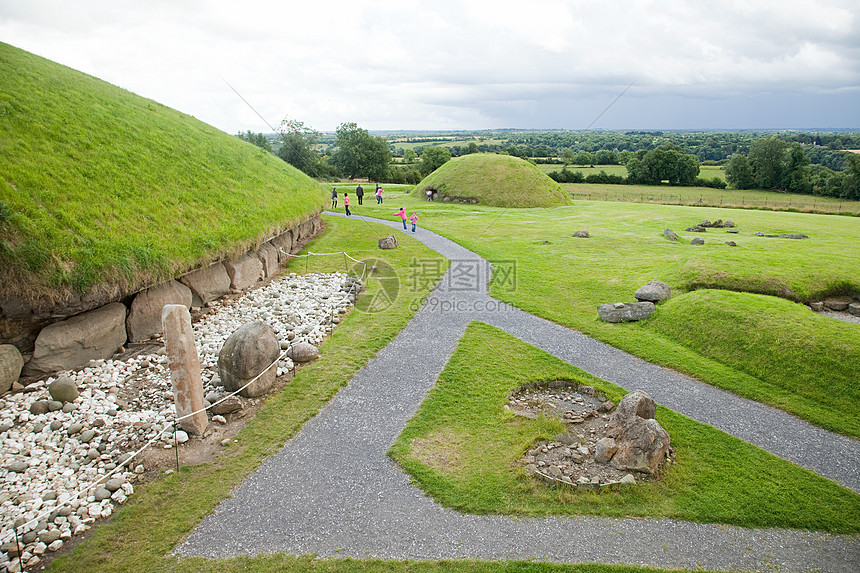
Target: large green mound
<point>100,186</point>
<point>818,357</point>
<point>495,180</point>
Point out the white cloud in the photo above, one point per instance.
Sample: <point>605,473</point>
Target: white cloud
<point>448,64</point>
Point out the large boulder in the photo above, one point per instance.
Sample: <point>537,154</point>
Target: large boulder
<point>268,256</point>
<point>303,352</point>
<point>653,291</point>
<point>244,271</point>
<point>634,439</point>
<point>247,353</point>
<point>207,284</point>
<point>144,315</point>
<point>388,242</point>
<point>284,244</point>
<point>72,343</point>
<point>11,363</point>
<point>625,311</point>
<point>670,234</point>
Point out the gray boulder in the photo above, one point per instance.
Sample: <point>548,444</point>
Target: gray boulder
<point>63,389</point>
<point>697,241</point>
<point>144,315</point>
<point>653,291</point>
<point>11,363</point>
<point>207,284</point>
<point>697,229</point>
<point>284,245</point>
<point>625,312</point>
<point>72,343</point>
<point>388,242</point>
<point>248,352</point>
<point>669,234</point>
<point>244,271</point>
<point>854,308</point>
<point>268,256</point>
<point>581,234</point>
<point>794,236</point>
<point>838,303</point>
<point>639,442</point>
<point>303,352</point>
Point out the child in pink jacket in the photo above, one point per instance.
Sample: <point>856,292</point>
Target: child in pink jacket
<point>414,219</point>
<point>402,214</point>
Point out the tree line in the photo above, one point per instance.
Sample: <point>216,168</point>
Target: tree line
<point>795,162</point>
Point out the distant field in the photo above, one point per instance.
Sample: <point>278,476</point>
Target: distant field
<point>705,171</point>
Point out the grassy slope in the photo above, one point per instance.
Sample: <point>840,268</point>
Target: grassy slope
<point>499,180</point>
<point>98,184</point>
<point>717,478</point>
<point>565,279</point>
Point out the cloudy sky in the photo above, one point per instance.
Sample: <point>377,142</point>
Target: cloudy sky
<point>470,64</point>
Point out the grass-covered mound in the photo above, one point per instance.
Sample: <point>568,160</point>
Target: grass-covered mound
<point>472,462</point>
<point>496,180</point>
<point>803,361</point>
<point>102,186</point>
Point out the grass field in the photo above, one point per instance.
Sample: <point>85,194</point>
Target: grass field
<point>481,442</point>
<point>101,185</point>
<point>564,279</point>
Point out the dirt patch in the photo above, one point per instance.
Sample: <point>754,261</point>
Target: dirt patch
<point>569,458</point>
<point>439,450</point>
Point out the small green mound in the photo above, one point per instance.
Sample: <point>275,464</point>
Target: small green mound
<point>104,189</point>
<point>494,180</point>
<point>819,357</point>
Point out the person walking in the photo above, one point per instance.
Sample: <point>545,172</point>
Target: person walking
<point>378,195</point>
<point>346,204</point>
<point>402,214</point>
<point>359,192</point>
<point>333,198</point>
<point>414,219</point>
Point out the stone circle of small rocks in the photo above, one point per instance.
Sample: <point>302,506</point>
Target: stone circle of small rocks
<point>569,459</point>
<point>59,460</point>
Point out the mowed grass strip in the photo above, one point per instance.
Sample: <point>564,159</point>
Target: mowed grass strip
<point>101,185</point>
<point>564,279</point>
<point>145,530</point>
<point>462,447</point>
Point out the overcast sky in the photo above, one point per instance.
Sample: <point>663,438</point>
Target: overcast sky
<point>471,64</point>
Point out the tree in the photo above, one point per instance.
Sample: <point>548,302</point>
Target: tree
<point>297,148</point>
<point>766,158</point>
<point>568,156</point>
<point>796,170</point>
<point>432,158</point>
<point>666,163</point>
<point>739,173</point>
<point>359,154</point>
<point>584,158</point>
<point>409,156</point>
<point>257,139</point>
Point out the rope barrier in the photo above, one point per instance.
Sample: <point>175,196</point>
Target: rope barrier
<point>160,434</point>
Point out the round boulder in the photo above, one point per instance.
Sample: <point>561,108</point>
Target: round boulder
<point>11,363</point>
<point>63,389</point>
<point>653,291</point>
<point>388,242</point>
<point>303,352</point>
<point>247,353</point>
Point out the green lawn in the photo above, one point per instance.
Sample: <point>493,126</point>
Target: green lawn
<point>564,279</point>
<point>716,478</point>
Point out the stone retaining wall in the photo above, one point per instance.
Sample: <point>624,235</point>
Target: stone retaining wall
<point>68,334</point>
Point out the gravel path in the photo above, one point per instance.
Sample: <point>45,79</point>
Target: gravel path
<point>333,491</point>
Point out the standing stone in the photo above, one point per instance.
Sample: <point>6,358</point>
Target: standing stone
<point>247,353</point>
<point>268,256</point>
<point>11,363</point>
<point>388,242</point>
<point>144,315</point>
<point>72,343</point>
<point>184,368</point>
<point>639,442</point>
<point>669,234</point>
<point>207,284</point>
<point>654,291</point>
<point>244,271</point>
